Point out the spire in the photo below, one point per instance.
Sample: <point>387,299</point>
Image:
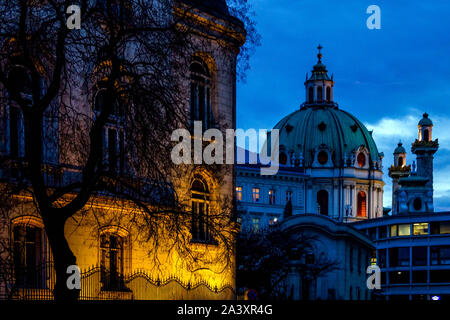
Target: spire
<point>319,55</point>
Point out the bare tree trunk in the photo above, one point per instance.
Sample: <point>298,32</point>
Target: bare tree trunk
<point>63,258</point>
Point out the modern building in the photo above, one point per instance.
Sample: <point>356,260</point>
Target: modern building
<point>413,243</point>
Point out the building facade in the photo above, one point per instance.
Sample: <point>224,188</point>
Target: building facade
<point>116,261</point>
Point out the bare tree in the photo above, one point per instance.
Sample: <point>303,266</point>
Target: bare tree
<point>126,73</point>
<point>265,260</point>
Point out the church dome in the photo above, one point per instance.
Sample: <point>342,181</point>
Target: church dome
<point>322,135</point>
<point>311,128</point>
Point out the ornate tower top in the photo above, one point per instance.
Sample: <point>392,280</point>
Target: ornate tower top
<point>319,86</point>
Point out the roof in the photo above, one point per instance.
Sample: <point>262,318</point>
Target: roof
<point>425,120</point>
<point>310,127</point>
<point>211,6</point>
<point>399,149</point>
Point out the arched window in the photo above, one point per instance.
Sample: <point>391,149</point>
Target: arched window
<point>28,256</point>
<point>361,159</point>
<point>102,100</point>
<point>322,202</point>
<point>283,158</point>
<point>200,100</point>
<point>322,157</point>
<point>362,208</point>
<point>200,210</point>
<point>426,135</point>
<point>319,94</point>
<point>400,161</point>
<point>328,94</point>
<point>417,204</point>
<point>311,95</point>
<point>112,261</point>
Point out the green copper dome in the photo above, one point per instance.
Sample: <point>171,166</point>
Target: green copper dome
<point>399,149</point>
<point>305,130</point>
<point>425,120</point>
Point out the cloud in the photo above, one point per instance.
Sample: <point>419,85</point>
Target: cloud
<point>388,131</point>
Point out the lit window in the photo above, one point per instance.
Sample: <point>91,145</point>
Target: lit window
<point>255,194</point>
<point>400,230</point>
<point>404,230</point>
<point>271,196</point>
<point>361,159</point>
<point>420,229</point>
<point>239,193</point>
<point>361,209</point>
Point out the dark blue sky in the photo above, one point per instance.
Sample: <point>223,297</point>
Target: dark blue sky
<point>387,78</point>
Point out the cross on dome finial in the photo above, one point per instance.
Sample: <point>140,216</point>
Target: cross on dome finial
<point>319,55</point>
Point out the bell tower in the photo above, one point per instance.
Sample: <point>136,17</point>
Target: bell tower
<point>398,170</point>
<point>319,86</point>
<point>424,148</point>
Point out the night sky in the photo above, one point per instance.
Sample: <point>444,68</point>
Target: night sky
<point>387,78</point>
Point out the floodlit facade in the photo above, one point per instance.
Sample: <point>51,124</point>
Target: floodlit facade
<point>116,260</point>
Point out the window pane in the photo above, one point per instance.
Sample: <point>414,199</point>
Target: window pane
<point>419,276</point>
<point>419,256</point>
<point>404,230</point>
<point>420,229</point>
<point>398,277</point>
<point>394,230</point>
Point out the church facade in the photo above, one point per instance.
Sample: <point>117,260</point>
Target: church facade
<point>330,174</point>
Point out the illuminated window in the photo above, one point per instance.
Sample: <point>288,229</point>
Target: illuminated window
<point>239,193</point>
<point>361,159</point>
<point>420,229</point>
<point>322,157</point>
<point>27,256</point>
<point>271,196</point>
<point>404,230</point>
<point>255,194</point>
<point>362,210</point>
<point>200,101</point>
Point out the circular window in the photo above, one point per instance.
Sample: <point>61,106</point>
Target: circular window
<point>361,159</point>
<point>322,157</point>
